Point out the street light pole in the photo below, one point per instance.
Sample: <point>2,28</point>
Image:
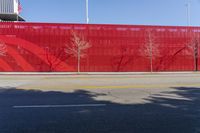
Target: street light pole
<point>189,13</point>
<point>87,11</point>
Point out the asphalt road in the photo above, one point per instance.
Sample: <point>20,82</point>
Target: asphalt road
<point>166,103</point>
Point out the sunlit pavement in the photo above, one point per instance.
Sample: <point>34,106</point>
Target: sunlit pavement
<point>100,103</point>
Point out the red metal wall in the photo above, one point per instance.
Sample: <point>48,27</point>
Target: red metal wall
<point>40,47</point>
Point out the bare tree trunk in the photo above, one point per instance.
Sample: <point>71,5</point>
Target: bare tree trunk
<point>151,57</point>
<point>78,67</point>
<point>195,63</point>
<point>151,63</point>
<point>196,57</point>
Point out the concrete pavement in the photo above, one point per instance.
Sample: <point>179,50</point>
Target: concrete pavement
<point>102,104</point>
<point>67,82</point>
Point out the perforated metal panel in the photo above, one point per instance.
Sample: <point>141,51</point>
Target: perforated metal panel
<point>40,47</point>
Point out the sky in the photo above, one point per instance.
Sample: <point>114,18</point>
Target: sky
<point>134,12</point>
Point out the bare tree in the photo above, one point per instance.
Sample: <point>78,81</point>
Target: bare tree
<point>77,47</point>
<point>150,49</point>
<point>193,49</point>
<point>3,49</point>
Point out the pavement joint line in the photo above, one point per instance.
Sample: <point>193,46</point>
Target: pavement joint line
<point>59,106</point>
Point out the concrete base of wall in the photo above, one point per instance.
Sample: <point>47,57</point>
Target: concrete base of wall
<point>97,73</point>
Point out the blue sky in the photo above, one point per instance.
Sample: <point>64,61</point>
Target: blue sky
<point>135,12</point>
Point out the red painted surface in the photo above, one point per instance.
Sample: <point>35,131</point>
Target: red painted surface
<point>39,47</point>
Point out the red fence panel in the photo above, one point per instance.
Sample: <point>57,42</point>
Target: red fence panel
<point>41,47</point>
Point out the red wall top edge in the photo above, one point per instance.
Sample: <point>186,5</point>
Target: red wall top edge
<point>110,25</point>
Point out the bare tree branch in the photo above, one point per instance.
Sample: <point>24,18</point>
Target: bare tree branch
<point>193,50</point>
<point>77,47</point>
<point>150,49</point>
<point>3,49</point>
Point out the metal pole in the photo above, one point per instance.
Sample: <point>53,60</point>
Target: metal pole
<point>189,13</point>
<point>87,11</point>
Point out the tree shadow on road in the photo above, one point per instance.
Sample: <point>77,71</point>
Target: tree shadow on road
<point>176,111</point>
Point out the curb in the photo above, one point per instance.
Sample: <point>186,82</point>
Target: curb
<point>95,73</point>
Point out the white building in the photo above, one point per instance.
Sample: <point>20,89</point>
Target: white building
<point>9,10</point>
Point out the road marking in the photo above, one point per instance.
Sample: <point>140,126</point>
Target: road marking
<point>64,88</point>
<point>141,86</point>
<point>60,106</point>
